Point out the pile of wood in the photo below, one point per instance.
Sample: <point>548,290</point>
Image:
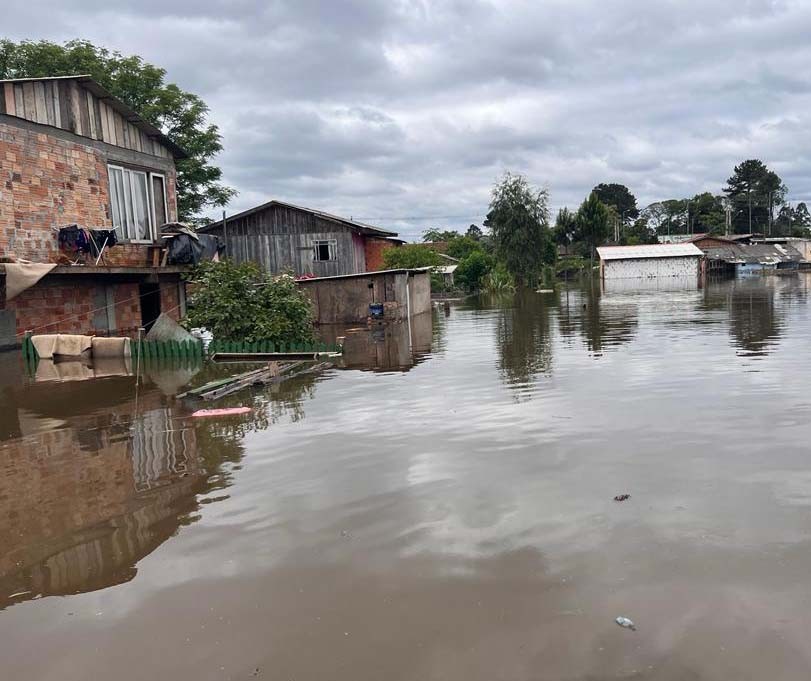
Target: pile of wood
<point>274,372</point>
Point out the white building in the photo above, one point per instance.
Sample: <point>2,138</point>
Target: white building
<point>647,262</point>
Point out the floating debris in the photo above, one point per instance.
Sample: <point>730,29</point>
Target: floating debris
<point>622,497</point>
<point>625,623</point>
<point>231,411</point>
<point>19,593</point>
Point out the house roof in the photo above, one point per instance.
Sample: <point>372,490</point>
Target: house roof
<point>373,273</point>
<point>754,254</point>
<point>352,224</point>
<point>649,251</point>
<point>129,114</point>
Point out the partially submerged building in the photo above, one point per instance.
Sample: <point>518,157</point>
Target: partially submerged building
<point>284,237</point>
<point>650,261</point>
<point>391,295</point>
<point>85,184</point>
<point>753,258</point>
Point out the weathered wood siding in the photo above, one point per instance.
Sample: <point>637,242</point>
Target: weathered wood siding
<point>68,105</point>
<point>281,238</point>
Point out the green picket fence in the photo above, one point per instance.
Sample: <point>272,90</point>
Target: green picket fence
<point>155,350</point>
<point>193,349</point>
<point>269,346</point>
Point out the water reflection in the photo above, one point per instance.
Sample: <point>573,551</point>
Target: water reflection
<point>386,347</point>
<point>524,337</point>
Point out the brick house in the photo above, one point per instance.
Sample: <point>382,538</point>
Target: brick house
<point>70,153</point>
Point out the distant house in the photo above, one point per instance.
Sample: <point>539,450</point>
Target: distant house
<point>281,236</point>
<point>75,158</point>
<point>644,262</point>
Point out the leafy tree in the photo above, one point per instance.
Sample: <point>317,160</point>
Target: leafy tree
<point>472,270</point>
<point>463,246</point>
<point>707,214</point>
<point>474,232</point>
<point>519,223</point>
<point>621,198</point>
<point>179,114</point>
<point>754,190</point>
<point>243,302</point>
<point>592,222</point>
<point>565,231</point>
<point>639,233</point>
<point>792,221</point>
<point>434,234</point>
<point>409,256</point>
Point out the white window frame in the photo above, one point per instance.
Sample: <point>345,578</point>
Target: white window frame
<point>332,245</point>
<point>154,216</point>
<point>149,207</point>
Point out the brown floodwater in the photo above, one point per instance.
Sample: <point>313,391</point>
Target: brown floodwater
<point>440,508</point>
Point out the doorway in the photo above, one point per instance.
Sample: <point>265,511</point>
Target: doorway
<point>150,304</point>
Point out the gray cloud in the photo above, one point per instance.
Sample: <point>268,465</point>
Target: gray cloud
<point>415,107</point>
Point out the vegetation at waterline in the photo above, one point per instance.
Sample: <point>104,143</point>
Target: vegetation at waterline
<point>181,115</point>
<point>242,302</point>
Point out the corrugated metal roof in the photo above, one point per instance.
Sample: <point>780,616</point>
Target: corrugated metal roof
<point>650,251</point>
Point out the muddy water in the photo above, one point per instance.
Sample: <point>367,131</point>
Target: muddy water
<point>447,515</point>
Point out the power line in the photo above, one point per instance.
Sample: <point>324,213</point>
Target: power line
<point>422,217</point>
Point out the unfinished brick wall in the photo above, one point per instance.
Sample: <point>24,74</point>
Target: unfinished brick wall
<point>374,252</point>
<point>64,307</point>
<point>170,302</point>
<point>47,182</point>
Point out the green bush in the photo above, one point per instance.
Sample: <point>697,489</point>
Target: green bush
<point>242,302</point>
<point>409,256</point>
<point>499,280</point>
<point>472,270</point>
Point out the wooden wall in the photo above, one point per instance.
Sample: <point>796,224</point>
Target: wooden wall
<point>281,238</point>
<point>68,105</point>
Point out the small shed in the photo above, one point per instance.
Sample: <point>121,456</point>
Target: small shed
<point>351,298</point>
<point>645,262</point>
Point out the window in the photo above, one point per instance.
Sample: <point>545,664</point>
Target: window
<point>159,200</point>
<point>325,250</point>
<point>137,203</point>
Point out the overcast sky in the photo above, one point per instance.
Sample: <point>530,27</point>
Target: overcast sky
<point>398,109</point>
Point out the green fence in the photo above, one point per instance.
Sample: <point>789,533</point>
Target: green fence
<point>269,346</point>
<point>193,349</point>
<point>148,350</point>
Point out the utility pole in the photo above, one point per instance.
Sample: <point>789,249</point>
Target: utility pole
<point>728,224</point>
<point>749,200</point>
<point>770,213</point>
<point>689,229</point>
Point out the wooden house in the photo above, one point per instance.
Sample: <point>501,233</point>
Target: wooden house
<point>283,237</point>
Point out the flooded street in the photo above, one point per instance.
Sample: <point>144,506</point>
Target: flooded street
<point>441,514</point>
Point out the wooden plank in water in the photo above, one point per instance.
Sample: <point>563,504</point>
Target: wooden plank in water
<point>266,356</point>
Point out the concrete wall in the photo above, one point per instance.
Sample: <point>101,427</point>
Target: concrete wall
<point>420,292</point>
<point>643,268</point>
<point>346,300</point>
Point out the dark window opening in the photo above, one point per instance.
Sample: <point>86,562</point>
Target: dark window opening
<point>150,304</point>
<point>325,250</point>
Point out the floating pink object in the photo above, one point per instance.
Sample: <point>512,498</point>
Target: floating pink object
<point>231,411</point>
